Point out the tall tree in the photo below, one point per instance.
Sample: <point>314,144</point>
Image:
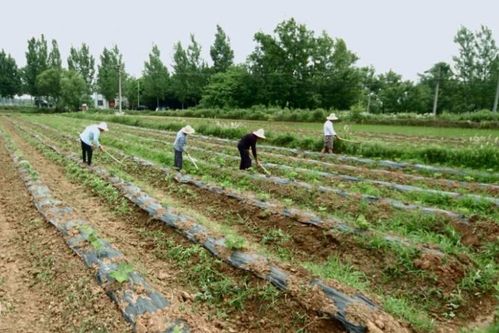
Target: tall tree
<point>10,78</point>
<point>36,63</point>
<point>475,68</point>
<point>81,61</point>
<point>439,80</point>
<point>282,64</point>
<point>221,52</point>
<point>74,91</point>
<point>155,76</point>
<point>48,83</point>
<point>111,63</point>
<point>294,68</point>
<point>54,57</point>
<point>190,73</point>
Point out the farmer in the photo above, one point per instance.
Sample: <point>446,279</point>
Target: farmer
<point>329,134</point>
<point>249,141</point>
<point>90,139</point>
<point>179,145</point>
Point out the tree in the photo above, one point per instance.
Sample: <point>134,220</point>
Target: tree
<point>155,77</point>
<point>475,68</point>
<point>221,52</point>
<point>54,57</point>
<point>440,76</point>
<point>74,91</point>
<point>10,78</point>
<point>48,84</point>
<point>134,90</point>
<point>336,81</point>
<point>282,65</point>
<point>296,69</point>
<point>36,63</point>
<point>108,72</point>
<point>232,88</point>
<point>83,62</point>
<point>190,73</point>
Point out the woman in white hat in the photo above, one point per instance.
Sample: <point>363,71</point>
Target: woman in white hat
<point>249,141</point>
<point>90,139</point>
<point>179,145</point>
<point>329,134</point>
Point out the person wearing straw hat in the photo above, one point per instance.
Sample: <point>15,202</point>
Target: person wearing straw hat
<point>179,145</point>
<point>249,141</point>
<point>90,139</point>
<point>329,134</point>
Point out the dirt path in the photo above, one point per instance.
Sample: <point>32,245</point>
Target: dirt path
<point>43,286</point>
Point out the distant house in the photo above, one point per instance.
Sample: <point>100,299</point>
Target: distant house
<point>99,102</point>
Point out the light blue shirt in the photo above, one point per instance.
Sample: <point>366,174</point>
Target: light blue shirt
<point>180,141</point>
<point>91,136</point>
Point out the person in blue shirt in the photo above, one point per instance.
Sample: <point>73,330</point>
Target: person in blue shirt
<point>179,145</point>
<point>90,140</point>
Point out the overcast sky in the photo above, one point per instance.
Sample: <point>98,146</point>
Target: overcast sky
<point>406,36</point>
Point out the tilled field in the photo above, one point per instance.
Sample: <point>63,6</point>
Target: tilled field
<point>326,244</point>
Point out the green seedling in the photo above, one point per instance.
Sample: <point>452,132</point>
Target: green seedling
<point>122,272</point>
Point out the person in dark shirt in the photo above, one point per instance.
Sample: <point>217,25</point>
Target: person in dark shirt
<point>249,141</point>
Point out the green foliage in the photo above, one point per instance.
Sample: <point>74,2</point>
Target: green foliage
<point>190,73</point>
<point>155,77</point>
<point>122,272</point>
<point>108,72</point>
<point>48,83</point>
<point>82,62</point>
<point>74,90</point>
<point>401,308</point>
<point>36,63</point>
<point>10,76</point>
<point>234,242</point>
<point>221,52</point>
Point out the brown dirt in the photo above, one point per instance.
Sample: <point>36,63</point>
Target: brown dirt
<point>43,286</point>
<point>124,232</point>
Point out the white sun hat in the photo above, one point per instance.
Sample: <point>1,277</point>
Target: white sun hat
<point>103,126</point>
<point>260,133</point>
<point>188,129</point>
<point>332,116</point>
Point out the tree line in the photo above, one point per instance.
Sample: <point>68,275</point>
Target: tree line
<point>293,67</point>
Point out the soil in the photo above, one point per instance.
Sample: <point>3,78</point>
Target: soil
<point>310,244</point>
<point>126,233</point>
<point>44,287</point>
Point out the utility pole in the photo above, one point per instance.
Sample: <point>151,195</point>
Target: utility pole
<point>119,86</point>
<point>435,100</point>
<point>138,94</point>
<point>368,101</point>
<point>494,109</point>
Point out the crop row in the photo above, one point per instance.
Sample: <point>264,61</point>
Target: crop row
<point>142,171</point>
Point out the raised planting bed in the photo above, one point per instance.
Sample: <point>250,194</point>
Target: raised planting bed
<point>141,304</point>
<point>350,308</point>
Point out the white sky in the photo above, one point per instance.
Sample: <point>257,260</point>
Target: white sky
<point>406,36</point>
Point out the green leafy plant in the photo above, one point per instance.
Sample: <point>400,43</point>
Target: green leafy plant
<point>121,274</point>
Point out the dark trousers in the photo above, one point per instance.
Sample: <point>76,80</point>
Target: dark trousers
<point>178,159</point>
<point>245,159</point>
<point>86,152</point>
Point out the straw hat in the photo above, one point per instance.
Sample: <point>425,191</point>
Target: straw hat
<point>332,116</point>
<point>103,126</point>
<point>188,129</point>
<point>260,133</point>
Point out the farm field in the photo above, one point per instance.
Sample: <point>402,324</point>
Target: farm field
<point>326,244</point>
<point>456,147</point>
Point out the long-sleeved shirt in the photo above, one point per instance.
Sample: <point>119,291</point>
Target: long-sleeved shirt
<point>90,136</point>
<point>328,128</point>
<point>248,141</point>
<point>180,141</point>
